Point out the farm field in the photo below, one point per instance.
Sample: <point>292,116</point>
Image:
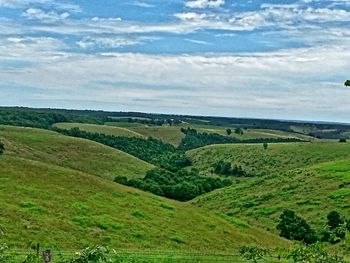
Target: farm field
<point>63,207</point>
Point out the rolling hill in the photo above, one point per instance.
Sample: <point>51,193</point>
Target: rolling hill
<point>49,193</point>
<point>310,178</point>
<point>78,154</point>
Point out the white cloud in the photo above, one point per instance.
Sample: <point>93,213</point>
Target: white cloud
<point>36,13</point>
<point>111,41</point>
<point>205,3</point>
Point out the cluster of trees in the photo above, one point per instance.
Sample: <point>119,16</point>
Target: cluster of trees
<point>182,185</point>
<point>227,169</point>
<point>151,150</point>
<point>194,139</point>
<point>293,227</point>
<point>43,119</point>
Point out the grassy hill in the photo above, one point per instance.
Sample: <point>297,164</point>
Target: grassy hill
<point>47,197</point>
<point>105,129</point>
<point>279,157</point>
<point>78,154</point>
<point>310,178</point>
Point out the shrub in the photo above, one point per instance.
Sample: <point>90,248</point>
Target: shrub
<point>253,254</point>
<point>342,140</point>
<point>2,147</point>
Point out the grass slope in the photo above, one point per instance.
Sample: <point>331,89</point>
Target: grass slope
<point>278,157</point>
<point>66,209</point>
<point>310,178</point>
<point>78,154</point>
<point>105,129</point>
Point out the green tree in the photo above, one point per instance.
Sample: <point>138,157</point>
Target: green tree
<point>334,220</point>
<point>265,145</point>
<point>2,147</point>
<point>238,131</point>
<point>228,132</point>
<point>347,83</point>
<point>294,227</point>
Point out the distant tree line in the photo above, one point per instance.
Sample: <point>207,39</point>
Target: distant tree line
<point>182,185</point>
<point>38,119</point>
<point>293,227</point>
<point>151,150</point>
<point>194,139</point>
<point>152,122</point>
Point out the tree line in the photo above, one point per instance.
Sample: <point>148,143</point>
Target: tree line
<point>43,120</point>
<point>194,139</point>
<point>182,185</point>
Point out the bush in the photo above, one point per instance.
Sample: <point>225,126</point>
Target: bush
<point>294,227</point>
<point>2,147</point>
<point>225,168</point>
<point>253,254</point>
<point>342,140</point>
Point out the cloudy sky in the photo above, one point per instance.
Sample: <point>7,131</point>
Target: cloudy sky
<point>245,58</point>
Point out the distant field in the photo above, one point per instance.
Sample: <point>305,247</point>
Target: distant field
<point>105,129</point>
<point>78,154</point>
<point>173,134</point>
<point>62,208</point>
<point>310,178</point>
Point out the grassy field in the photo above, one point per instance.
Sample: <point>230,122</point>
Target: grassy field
<point>310,178</point>
<point>78,154</point>
<point>66,209</point>
<point>173,134</point>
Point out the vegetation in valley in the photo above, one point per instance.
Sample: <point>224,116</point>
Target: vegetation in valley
<point>154,151</point>
<point>182,185</point>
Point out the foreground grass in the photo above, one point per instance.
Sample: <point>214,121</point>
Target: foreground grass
<point>75,153</point>
<point>63,208</point>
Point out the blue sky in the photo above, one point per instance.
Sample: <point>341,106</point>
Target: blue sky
<point>258,58</point>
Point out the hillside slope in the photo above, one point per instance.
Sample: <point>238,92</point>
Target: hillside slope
<point>278,157</point>
<point>105,129</point>
<point>78,154</point>
<point>310,178</point>
<point>65,209</point>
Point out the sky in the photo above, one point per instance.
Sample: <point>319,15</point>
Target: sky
<point>239,58</point>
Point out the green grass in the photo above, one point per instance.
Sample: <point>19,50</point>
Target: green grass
<point>53,191</point>
<point>78,154</point>
<point>63,208</point>
<point>105,129</point>
<point>310,178</point>
<point>279,157</point>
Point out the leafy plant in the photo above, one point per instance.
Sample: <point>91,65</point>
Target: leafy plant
<point>253,254</point>
<point>96,254</point>
<point>315,253</point>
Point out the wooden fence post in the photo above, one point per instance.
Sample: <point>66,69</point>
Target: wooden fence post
<point>47,256</point>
